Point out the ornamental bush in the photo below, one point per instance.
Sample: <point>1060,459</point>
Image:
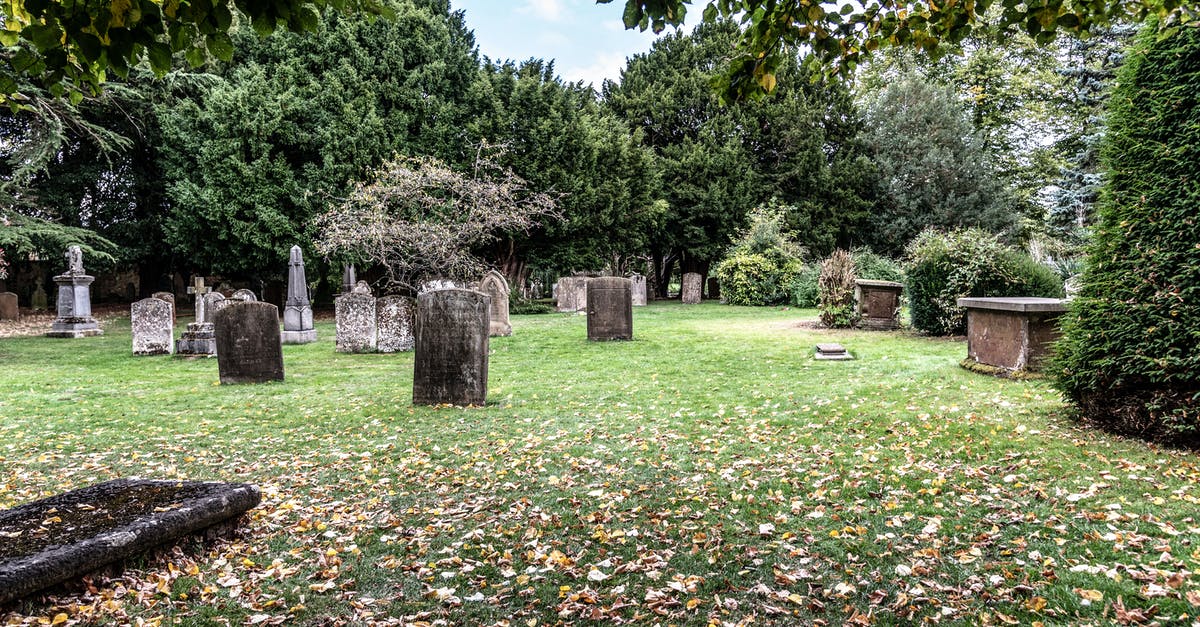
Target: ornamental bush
<point>1129,356</point>
<point>945,266</point>
<point>836,288</point>
<point>763,263</point>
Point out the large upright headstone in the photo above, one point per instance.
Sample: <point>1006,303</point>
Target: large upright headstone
<point>451,361</point>
<point>297,310</point>
<point>248,344</point>
<point>637,287</point>
<point>691,287</point>
<point>395,317</point>
<point>571,293</point>
<point>610,309</point>
<point>169,298</point>
<point>198,339</point>
<point>74,300</point>
<point>8,306</point>
<point>496,287</point>
<point>153,329</point>
<point>354,315</point>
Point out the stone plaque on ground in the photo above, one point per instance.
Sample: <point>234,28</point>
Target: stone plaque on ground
<point>8,306</point>
<point>354,315</point>
<point>496,287</point>
<point>571,293</point>
<point>75,533</point>
<point>152,327</point>
<point>451,361</point>
<point>297,310</point>
<point>690,288</point>
<point>249,349</point>
<point>878,304</point>
<point>832,352</point>
<point>637,286</point>
<point>74,300</point>
<point>610,309</point>
<point>167,297</point>
<point>395,317</point>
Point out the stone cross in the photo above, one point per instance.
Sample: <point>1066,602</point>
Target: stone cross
<point>199,289</point>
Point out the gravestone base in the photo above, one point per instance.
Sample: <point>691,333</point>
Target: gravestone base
<point>298,337</point>
<point>199,340</point>
<point>75,328</point>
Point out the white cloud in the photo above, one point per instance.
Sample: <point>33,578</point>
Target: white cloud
<point>549,10</point>
<point>604,65</point>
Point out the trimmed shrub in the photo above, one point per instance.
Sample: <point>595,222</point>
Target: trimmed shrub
<point>1129,356</point>
<point>945,266</point>
<point>836,287</point>
<point>762,265</point>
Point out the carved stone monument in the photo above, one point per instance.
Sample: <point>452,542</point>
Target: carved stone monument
<point>354,315</point>
<point>297,310</point>
<point>8,306</point>
<point>349,280</point>
<point>198,340</point>
<point>150,320</point>
<point>248,343</point>
<point>878,304</point>
<point>74,300</point>
<point>244,295</point>
<point>496,287</point>
<point>637,286</point>
<point>610,309</point>
<point>691,287</point>
<point>451,361</point>
<point>395,317</point>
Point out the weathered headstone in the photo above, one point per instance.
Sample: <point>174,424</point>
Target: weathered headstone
<point>610,309</point>
<point>244,295</point>
<point>354,315</point>
<point>878,304</point>
<point>439,284</point>
<point>637,287</point>
<point>74,300</point>
<point>1010,336</point>
<point>249,349</point>
<point>297,310</point>
<point>198,339</point>
<point>395,319</point>
<point>496,287</point>
<point>832,352</point>
<point>169,298</point>
<point>8,306</point>
<point>451,361</point>
<point>349,280</point>
<point>152,327</point>
<point>572,293</point>
<point>690,288</point>
<point>39,301</point>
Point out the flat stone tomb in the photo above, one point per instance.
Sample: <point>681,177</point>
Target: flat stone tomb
<point>151,321</point>
<point>1011,333</point>
<point>451,361</point>
<point>249,347</point>
<point>878,304</point>
<point>832,352</point>
<point>610,309</point>
<point>72,534</point>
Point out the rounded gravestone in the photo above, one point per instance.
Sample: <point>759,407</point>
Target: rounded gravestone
<point>8,306</point>
<point>152,327</point>
<point>395,317</point>
<point>167,297</point>
<point>249,349</point>
<point>496,286</point>
<point>610,309</point>
<point>451,361</point>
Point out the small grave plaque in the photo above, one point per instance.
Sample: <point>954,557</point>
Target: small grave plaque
<point>832,352</point>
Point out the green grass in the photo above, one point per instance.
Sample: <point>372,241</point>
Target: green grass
<point>709,470</point>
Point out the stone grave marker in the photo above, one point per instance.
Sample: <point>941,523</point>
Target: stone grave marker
<point>832,352</point>
<point>8,306</point>
<point>297,310</point>
<point>691,288</point>
<point>150,320</point>
<point>610,309</point>
<point>395,317</point>
<point>496,287</point>
<point>169,298</point>
<point>878,304</point>
<point>244,295</point>
<point>105,524</point>
<point>349,279</point>
<point>354,316</point>
<point>39,301</point>
<point>198,340</point>
<point>714,288</point>
<point>571,293</point>
<point>451,361</point>
<point>74,318</point>
<point>637,286</point>
<point>249,348</point>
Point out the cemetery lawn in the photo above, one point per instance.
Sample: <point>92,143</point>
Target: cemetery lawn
<point>708,472</point>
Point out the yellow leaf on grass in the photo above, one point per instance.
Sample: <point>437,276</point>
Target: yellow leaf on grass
<point>1036,604</point>
<point>1089,595</point>
<point>59,618</point>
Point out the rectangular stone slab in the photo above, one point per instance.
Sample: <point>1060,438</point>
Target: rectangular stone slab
<point>106,523</point>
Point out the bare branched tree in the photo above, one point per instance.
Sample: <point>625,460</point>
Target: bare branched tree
<point>420,219</point>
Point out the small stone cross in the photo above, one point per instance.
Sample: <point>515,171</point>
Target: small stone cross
<point>199,289</point>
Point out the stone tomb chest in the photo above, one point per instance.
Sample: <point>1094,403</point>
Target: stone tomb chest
<point>878,303</point>
<point>1013,334</point>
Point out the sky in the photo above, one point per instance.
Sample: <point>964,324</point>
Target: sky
<point>586,41</point>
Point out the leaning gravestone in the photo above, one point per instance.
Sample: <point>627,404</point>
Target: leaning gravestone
<point>610,309</point>
<point>169,298</point>
<point>69,535</point>
<point>249,349</point>
<point>8,306</point>
<point>496,287</point>
<point>690,288</point>
<point>637,286</point>
<point>395,317</point>
<point>297,311</point>
<point>152,327</point>
<point>74,300</point>
<point>451,361</point>
<point>354,316</point>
